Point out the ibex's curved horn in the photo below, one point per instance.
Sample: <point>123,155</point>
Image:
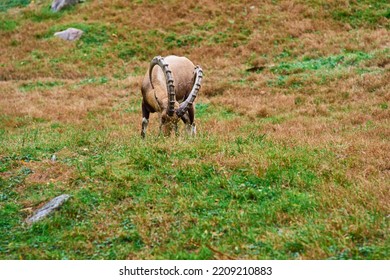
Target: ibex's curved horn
<point>191,97</point>
<point>158,60</point>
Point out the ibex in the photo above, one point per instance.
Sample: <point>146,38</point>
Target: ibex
<point>170,90</point>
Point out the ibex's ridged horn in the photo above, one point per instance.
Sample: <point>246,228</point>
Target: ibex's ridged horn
<point>195,89</point>
<point>158,60</point>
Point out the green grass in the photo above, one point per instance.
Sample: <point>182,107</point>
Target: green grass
<point>8,25</point>
<point>44,14</point>
<point>322,63</point>
<point>172,40</point>
<point>8,4</point>
<point>187,200</point>
<point>39,85</point>
<point>296,73</point>
<point>365,13</point>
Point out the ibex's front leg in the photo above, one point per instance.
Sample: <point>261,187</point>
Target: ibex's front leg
<point>187,110</point>
<point>191,114</point>
<point>188,119</point>
<point>145,119</point>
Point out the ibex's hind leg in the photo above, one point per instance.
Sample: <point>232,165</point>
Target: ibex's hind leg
<point>145,119</point>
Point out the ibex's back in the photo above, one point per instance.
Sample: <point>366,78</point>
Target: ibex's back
<point>183,76</point>
<point>170,90</point>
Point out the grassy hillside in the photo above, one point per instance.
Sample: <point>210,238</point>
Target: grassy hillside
<point>291,159</point>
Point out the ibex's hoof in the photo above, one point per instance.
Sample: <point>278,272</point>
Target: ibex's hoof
<point>193,130</point>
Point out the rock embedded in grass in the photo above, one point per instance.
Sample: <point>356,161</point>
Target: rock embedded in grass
<point>58,5</point>
<point>70,34</point>
<point>48,208</point>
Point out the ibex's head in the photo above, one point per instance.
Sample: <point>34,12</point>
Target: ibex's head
<point>168,123</point>
<point>171,110</point>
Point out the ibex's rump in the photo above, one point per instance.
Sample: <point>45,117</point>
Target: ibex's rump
<point>170,89</point>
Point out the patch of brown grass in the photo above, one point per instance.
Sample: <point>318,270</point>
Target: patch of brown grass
<point>48,172</point>
<point>70,103</point>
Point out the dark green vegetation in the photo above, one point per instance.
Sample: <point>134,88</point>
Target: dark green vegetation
<point>364,13</point>
<point>8,4</point>
<point>291,156</point>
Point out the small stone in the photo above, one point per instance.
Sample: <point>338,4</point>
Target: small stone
<point>70,34</point>
<point>48,208</point>
<point>58,5</point>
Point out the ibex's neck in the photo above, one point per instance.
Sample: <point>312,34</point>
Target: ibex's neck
<point>161,96</point>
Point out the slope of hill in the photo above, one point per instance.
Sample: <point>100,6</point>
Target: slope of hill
<point>291,160</point>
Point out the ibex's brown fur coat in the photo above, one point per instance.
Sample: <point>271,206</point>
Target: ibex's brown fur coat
<point>156,96</point>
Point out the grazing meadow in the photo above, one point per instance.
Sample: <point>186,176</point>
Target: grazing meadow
<point>292,154</point>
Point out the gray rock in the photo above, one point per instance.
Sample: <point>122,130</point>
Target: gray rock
<point>70,34</point>
<point>57,5</point>
<point>48,208</point>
